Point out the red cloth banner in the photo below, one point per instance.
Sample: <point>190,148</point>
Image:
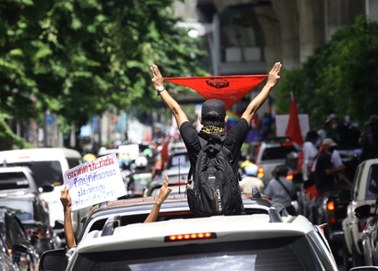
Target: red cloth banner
<point>230,89</point>
<point>293,129</point>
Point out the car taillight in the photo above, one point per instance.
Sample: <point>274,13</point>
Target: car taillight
<point>190,236</point>
<point>330,206</point>
<point>290,175</point>
<point>260,172</point>
<point>331,212</point>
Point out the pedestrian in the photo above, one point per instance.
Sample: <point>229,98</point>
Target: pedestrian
<point>213,118</point>
<point>329,168</point>
<point>345,134</point>
<point>65,199</point>
<point>250,180</point>
<point>309,151</point>
<point>280,190</point>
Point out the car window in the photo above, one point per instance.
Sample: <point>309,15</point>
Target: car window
<point>13,180</point>
<point>280,152</point>
<point>45,172</point>
<point>23,209</point>
<point>179,159</point>
<point>73,162</point>
<point>16,232</point>
<point>322,250</point>
<point>292,253</point>
<point>372,185</point>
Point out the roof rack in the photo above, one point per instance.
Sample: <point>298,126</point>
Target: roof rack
<point>110,224</point>
<point>275,216</point>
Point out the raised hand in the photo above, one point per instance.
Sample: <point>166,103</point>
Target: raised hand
<point>164,191</point>
<point>273,75</point>
<point>157,78</point>
<point>65,197</point>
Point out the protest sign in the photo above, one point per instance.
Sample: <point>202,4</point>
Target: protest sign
<point>94,182</point>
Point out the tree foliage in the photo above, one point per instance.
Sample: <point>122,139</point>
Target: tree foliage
<point>76,58</point>
<point>341,76</point>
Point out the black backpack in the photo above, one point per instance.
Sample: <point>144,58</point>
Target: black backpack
<point>215,189</point>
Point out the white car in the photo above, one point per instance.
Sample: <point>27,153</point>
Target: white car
<point>262,241</point>
<point>268,154</point>
<point>364,192</point>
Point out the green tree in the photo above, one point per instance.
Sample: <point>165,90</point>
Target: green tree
<point>341,76</point>
<point>77,58</point>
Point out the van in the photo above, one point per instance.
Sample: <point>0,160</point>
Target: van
<point>48,166</point>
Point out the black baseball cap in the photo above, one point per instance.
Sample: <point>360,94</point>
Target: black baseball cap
<point>213,112</point>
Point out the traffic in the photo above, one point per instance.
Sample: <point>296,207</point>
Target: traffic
<point>345,237</point>
<point>188,135</point>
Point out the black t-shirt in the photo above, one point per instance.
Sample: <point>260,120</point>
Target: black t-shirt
<point>235,137</point>
<point>322,179</point>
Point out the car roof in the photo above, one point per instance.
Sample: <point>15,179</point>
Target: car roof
<point>226,228</point>
<point>145,204</point>
<point>15,169</point>
<point>40,154</point>
<point>135,210</point>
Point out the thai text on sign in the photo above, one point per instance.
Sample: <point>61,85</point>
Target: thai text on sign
<point>95,182</point>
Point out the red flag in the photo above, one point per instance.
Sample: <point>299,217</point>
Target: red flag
<point>229,89</point>
<point>293,128</point>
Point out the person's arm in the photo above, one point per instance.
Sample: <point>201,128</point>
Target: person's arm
<point>69,234</point>
<point>158,83</point>
<point>163,194</point>
<point>255,104</point>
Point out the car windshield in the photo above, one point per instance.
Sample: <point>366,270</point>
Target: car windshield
<point>280,152</point>
<point>372,187</point>
<point>45,173</point>
<point>292,253</point>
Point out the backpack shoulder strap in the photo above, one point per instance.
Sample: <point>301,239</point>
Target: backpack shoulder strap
<point>203,143</point>
<point>284,187</point>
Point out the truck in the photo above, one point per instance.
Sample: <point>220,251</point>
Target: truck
<point>364,192</point>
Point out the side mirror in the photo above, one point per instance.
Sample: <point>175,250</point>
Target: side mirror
<point>46,188</point>
<point>53,260</point>
<point>363,211</point>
